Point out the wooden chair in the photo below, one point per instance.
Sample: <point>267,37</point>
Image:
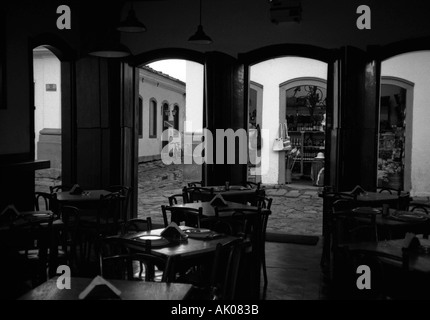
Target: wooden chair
<point>59,188</point>
<point>264,202</point>
<point>419,207</point>
<point>106,222</point>
<point>250,225</point>
<point>229,281</point>
<point>253,185</point>
<point>191,217</point>
<point>195,184</point>
<point>197,194</point>
<point>42,201</point>
<point>116,262</point>
<point>136,225</point>
<point>403,200</point>
<point>390,276</point>
<point>177,198</point>
<point>34,241</point>
<point>70,235</point>
<point>125,195</point>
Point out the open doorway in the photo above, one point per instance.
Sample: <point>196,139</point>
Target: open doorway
<point>404,130</point>
<point>170,125</point>
<point>288,94</point>
<point>47,116</point>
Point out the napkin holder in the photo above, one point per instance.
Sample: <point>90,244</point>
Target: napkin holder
<point>76,190</point>
<point>9,213</point>
<point>100,289</point>
<point>173,233</point>
<point>358,190</point>
<point>218,201</point>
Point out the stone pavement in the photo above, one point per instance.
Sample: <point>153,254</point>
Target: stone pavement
<point>296,209</point>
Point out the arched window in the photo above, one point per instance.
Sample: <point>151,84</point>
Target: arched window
<point>140,117</point>
<point>152,118</point>
<point>176,117</point>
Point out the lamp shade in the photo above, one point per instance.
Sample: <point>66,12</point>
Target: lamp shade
<point>200,37</point>
<point>116,50</point>
<point>131,24</point>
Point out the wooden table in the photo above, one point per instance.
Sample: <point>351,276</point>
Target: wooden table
<point>418,261</point>
<point>130,290</point>
<point>376,198</point>
<point>26,218</point>
<point>209,210</point>
<point>392,226</point>
<point>87,196</point>
<point>189,249</point>
<point>233,193</point>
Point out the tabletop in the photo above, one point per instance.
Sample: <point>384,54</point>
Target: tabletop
<point>191,248</point>
<point>209,210</point>
<point>87,195</point>
<point>233,193</point>
<point>130,290</point>
<point>25,218</point>
<point>377,197</point>
<point>419,261</point>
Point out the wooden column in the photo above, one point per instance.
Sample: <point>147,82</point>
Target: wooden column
<point>355,135</point>
<point>224,108</point>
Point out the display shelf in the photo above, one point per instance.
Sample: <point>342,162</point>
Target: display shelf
<point>307,152</point>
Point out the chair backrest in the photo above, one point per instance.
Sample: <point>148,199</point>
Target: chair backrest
<point>136,225</point>
<point>191,217</point>
<point>42,201</point>
<point>195,184</point>
<point>113,259</point>
<point>264,202</point>
<point>59,188</point>
<point>173,199</point>
<point>419,207</point>
<point>196,194</point>
<point>227,281</point>
<point>117,262</point>
<point>350,226</point>
<point>109,213</point>
<point>390,190</point>
<point>384,282</point>
<point>256,185</point>
<point>125,195</point>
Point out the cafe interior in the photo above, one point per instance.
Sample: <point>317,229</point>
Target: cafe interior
<point>212,244</point>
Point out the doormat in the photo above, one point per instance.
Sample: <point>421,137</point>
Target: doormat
<point>291,238</point>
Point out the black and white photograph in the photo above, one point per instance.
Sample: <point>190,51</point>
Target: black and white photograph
<point>215,155</point>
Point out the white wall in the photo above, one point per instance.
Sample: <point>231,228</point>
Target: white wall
<point>46,70</point>
<point>162,89</point>
<point>271,74</point>
<point>194,97</point>
<point>415,67</point>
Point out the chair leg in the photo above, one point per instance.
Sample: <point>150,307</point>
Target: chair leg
<point>263,264</point>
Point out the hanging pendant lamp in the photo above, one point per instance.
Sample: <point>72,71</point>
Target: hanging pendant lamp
<point>200,37</point>
<point>131,23</point>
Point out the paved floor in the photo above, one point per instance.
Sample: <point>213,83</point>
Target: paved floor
<point>296,209</point>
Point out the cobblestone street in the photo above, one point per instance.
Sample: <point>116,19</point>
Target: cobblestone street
<point>296,209</point>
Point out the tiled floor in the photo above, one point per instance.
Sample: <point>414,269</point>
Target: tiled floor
<point>294,272</point>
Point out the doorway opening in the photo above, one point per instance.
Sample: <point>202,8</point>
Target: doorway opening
<point>287,96</point>
<point>404,115</point>
<point>171,118</point>
<point>283,91</point>
<point>305,102</point>
<point>47,116</point>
